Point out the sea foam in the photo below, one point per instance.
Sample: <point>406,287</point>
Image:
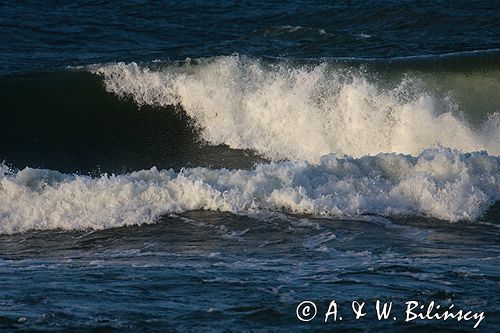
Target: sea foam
<point>443,184</point>
<point>302,112</point>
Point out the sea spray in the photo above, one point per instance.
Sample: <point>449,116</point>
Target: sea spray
<point>302,112</point>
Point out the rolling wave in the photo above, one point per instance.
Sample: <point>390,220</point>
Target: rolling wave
<point>337,140</point>
<point>443,184</point>
<point>302,112</point>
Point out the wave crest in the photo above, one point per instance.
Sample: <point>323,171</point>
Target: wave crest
<point>302,112</point>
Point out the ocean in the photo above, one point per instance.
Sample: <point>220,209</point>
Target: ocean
<point>234,166</point>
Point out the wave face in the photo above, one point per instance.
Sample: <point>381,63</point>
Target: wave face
<point>302,112</point>
<point>442,184</point>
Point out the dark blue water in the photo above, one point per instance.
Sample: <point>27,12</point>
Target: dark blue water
<point>207,166</point>
<point>53,34</point>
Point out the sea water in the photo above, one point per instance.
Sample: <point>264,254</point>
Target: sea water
<point>234,166</point>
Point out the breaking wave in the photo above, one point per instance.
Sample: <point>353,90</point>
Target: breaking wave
<point>302,112</point>
<point>440,183</point>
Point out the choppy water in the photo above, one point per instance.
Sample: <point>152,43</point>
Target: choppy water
<point>201,166</point>
<point>214,271</point>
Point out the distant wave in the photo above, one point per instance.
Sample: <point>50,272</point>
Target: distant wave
<point>292,29</point>
<point>443,184</point>
<point>479,57</point>
<point>285,111</point>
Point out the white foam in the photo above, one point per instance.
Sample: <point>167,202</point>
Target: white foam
<point>302,112</point>
<point>443,184</point>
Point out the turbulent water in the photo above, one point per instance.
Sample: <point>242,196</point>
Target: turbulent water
<point>212,166</point>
